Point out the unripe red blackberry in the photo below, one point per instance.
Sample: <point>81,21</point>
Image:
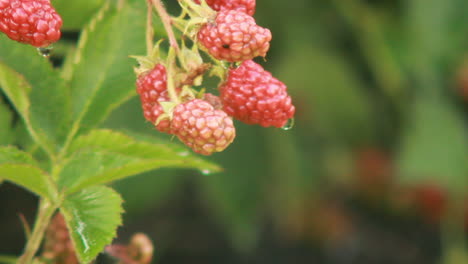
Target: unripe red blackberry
<point>152,88</point>
<point>202,128</point>
<point>253,96</point>
<point>246,6</point>
<point>234,36</point>
<point>34,22</point>
<point>58,247</point>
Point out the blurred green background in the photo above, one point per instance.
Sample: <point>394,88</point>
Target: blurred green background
<point>375,169</point>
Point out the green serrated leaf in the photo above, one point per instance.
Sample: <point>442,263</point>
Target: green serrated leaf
<point>37,92</point>
<point>11,154</point>
<point>92,216</point>
<point>103,156</point>
<point>435,148</point>
<point>20,168</point>
<point>75,14</point>
<point>16,88</point>
<point>103,78</point>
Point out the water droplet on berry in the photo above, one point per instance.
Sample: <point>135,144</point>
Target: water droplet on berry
<point>45,51</point>
<point>289,125</point>
<point>206,172</point>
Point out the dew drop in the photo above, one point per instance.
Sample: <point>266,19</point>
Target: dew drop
<point>45,51</point>
<point>289,125</point>
<point>206,172</point>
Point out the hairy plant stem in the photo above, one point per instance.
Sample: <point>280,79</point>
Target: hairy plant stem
<point>166,20</point>
<point>149,27</point>
<point>46,210</point>
<point>174,50</point>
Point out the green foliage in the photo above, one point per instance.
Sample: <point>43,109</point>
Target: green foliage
<point>45,109</point>
<point>76,14</point>
<point>104,156</point>
<point>235,195</point>
<point>92,215</point>
<point>102,77</point>
<point>21,168</point>
<point>342,111</point>
<point>6,122</point>
<point>351,69</point>
<point>428,151</point>
<point>430,22</point>
<point>66,165</point>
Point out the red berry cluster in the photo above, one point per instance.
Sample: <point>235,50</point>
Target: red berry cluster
<point>196,122</point>
<point>34,22</point>
<point>248,92</point>
<point>246,6</point>
<point>152,88</point>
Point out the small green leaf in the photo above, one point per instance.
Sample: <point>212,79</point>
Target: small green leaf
<point>36,91</point>
<point>435,148</point>
<point>103,77</point>
<point>20,168</point>
<point>16,88</point>
<point>13,155</point>
<point>92,216</point>
<point>103,156</point>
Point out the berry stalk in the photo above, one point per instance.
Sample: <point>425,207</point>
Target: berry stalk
<point>170,73</point>
<point>167,23</point>
<point>149,27</point>
<point>46,210</point>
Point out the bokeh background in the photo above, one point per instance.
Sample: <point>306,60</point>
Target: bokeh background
<point>375,169</point>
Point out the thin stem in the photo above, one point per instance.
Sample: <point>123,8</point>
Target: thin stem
<point>27,229</point>
<point>173,51</point>
<point>46,210</point>
<point>170,80</point>
<point>166,20</point>
<point>149,27</point>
